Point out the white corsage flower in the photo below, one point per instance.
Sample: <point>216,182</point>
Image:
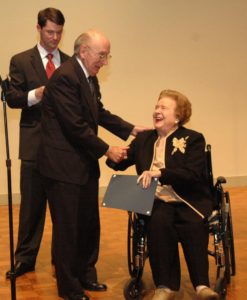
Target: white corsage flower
<point>179,144</point>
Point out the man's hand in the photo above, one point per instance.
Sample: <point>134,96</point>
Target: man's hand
<point>116,153</point>
<point>146,177</point>
<point>39,92</point>
<point>138,129</point>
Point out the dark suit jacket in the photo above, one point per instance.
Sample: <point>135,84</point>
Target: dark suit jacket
<point>27,73</point>
<point>185,172</point>
<point>70,147</point>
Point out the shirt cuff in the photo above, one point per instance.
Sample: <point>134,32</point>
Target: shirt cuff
<point>31,98</point>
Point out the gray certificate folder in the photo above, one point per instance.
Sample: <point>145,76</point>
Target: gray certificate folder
<point>123,192</point>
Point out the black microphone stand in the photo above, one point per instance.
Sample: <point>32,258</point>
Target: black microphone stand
<point>5,86</point>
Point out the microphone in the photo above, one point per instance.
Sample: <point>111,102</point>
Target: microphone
<point>4,84</point>
<point>5,87</point>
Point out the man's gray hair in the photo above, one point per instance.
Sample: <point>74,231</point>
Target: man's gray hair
<point>82,39</point>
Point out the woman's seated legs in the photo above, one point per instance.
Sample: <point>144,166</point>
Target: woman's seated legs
<point>169,224</point>
<point>163,246</point>
<point>193,234</point>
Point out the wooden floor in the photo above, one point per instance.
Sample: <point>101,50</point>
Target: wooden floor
<point>112,265</point>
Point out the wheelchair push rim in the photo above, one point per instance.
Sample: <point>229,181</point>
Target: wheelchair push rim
<point>132,289</point>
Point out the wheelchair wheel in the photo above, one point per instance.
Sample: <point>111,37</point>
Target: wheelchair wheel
<point>132,290</point>
<point>230,238</point>
<point>222,251</point>
<point>226,249</point>
<point>221,288</point>
<point>221,254</point>
<point>136,246</point>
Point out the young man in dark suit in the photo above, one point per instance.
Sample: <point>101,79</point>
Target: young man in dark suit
<point>68,159</point>
<point>29,74</point>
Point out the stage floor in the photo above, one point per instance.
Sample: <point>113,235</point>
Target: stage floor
<point>112,265</point>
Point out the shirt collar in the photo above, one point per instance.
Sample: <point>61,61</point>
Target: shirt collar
<point>43,52</point>
<point>83,67</point>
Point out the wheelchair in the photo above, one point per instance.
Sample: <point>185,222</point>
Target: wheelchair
<point>221,236</point>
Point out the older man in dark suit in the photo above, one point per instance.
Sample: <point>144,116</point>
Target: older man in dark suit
<point>68,159</point>
<point>29,73</point>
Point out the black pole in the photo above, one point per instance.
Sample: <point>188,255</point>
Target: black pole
<point>4,85</point>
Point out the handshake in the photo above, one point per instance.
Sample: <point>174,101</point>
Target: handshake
<point>116,153</point>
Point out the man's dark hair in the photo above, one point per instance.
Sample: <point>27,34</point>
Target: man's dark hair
<point>52,14</point>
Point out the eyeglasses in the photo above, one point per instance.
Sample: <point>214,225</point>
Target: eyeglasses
<point>101,56</point>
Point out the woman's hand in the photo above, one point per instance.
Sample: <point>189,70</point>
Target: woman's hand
<point>146,178</point>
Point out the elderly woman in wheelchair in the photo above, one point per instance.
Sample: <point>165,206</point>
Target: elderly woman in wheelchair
<point>176,156</point>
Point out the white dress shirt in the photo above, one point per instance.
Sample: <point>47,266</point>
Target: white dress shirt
<point>32,99</point>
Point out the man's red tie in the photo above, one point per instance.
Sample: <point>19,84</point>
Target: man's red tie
<point>50,67</point>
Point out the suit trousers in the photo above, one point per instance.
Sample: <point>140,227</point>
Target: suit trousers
<point>169,224</point>
<point>76,228</point>
<point>32,213</point>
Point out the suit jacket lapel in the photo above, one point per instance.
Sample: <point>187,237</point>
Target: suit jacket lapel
<point>85,90</point>
<point>149,148</point>
<point>38,66</point>
<point>63,56</point>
